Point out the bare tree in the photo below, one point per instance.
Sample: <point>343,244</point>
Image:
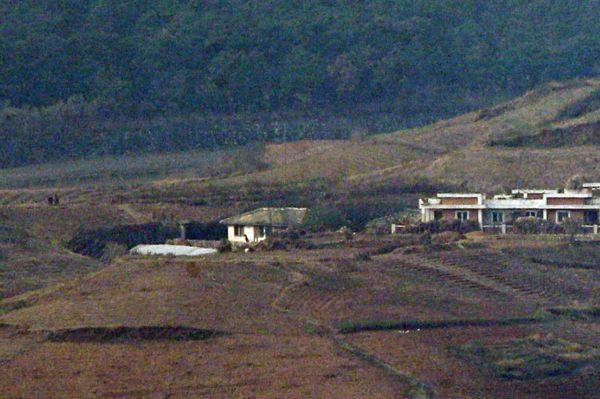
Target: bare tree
<point>575,182</point>
<point>571,227</point>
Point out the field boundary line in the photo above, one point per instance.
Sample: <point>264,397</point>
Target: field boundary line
<point>418,389</point>
<point>353,328</point>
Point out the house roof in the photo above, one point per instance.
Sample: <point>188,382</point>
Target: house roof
<point>276,217</point>
<point>534,191</point>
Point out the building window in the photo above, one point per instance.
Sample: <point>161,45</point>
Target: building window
<point>437,215</point>
<point>463,216</point>
<point>497,217</point>
<point>561,216</point>
<point>238,231</point>
<point>531,214</point>
<point>261,231</point>
<point>591,217</point>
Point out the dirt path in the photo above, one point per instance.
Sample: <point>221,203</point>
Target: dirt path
<point>418,389</point>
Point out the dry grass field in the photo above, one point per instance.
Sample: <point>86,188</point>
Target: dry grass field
<point>477,151</point>
<point>510,317</point>
<point>298,323</point>
<point>263,352</point>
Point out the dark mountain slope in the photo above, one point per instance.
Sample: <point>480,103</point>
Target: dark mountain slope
<point>127,76</point>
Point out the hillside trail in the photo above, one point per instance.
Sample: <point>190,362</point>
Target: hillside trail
<point>418,389</point>
<point>137,216</point>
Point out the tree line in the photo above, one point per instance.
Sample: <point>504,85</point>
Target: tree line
<point>171,59</point>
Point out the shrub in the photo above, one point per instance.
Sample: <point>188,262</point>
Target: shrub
<point>303,244</point>
<point>94,242</point>
<point>347,232</point>
<point>575,182</point>
<point>224,246</point>
<point>425,238</point>
<point>446,237</point>
<point>438,226</point>
<point>534,225</point>
<point>11,306</point>
<point>571,227</point>
<point>384,249</point>
<point>380,230</point>
<point>359,213</point>
<point>288,234</point>
<point>113,250</point>
<point>324,218</point>
<point>379,226</point>
<point>272,244</point>
<point>363,256</point>
<point>528,225</point>
<point>412,249</point>
<point>205,231</point>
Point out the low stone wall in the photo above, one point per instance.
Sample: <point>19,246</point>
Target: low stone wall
<point>195,243</point>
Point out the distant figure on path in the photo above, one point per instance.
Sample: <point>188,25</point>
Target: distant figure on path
<point>56,200</point>
<point>50,201</point>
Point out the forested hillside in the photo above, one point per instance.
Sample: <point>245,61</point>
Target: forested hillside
<point>107,76</point>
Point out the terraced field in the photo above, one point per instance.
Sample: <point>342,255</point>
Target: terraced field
<point>527,279</point>
<point>391,286</point>
<point>486,267</point>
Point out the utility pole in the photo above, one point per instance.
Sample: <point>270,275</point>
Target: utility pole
<point>285,161</point>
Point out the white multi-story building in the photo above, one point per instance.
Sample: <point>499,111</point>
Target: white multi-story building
<point>553,205</point>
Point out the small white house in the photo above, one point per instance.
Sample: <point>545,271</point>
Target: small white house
<point>257,225</point>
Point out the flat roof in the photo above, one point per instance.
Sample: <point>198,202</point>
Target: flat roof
<point>568,195</point>
<point>459,195</point>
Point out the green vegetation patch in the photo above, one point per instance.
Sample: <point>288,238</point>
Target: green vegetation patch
<point>94,242</point>
<point>12,235</point>
<point>12,306</point>
<point>582,134</point>
<point>386,324</point>
<point>582,313</point>
<point>536,356</point>
<point>582,107</point>
<point>128,334</point>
